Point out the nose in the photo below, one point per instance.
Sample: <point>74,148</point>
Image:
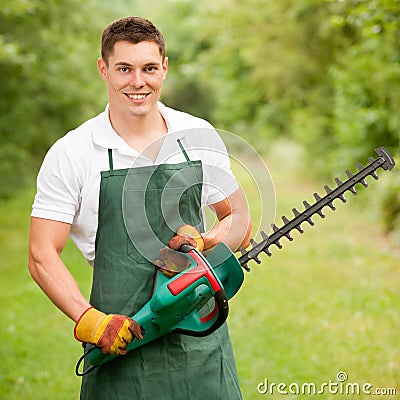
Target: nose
<point>137,80</point>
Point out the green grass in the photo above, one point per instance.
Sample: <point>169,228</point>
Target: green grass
<point>328,302</point>
<point>37,348</point>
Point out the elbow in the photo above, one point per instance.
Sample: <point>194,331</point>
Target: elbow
<point>33,265</point>
<point>36,264</point>
<point>248,234</point>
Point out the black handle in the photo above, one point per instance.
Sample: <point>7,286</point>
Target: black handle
<point>221,302</point>
<point>185,248</point>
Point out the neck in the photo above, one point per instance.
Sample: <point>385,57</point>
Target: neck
<point>139,132</point>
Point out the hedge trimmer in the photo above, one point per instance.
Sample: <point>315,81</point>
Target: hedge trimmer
<point>384,161</point>
<point>178,304</point>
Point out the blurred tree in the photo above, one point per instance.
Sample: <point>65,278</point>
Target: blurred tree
<point>367,93</point>
<point>48,79</point>
<point>267,64</point>
<point>367,81</point>
<point>183,88</point>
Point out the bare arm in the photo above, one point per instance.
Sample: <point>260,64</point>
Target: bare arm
<point>47,239</point>
<point>234,226</point>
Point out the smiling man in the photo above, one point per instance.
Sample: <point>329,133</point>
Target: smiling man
<point>136,149</point>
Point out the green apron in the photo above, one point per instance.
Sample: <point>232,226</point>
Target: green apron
<point>175,366</point>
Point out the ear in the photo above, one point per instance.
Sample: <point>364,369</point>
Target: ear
<point>102,67</point>
<point>165,67</point>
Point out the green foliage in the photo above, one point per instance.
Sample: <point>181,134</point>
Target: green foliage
<point>48,52</point>
<point>265,62</point>
<point>367,93</point>
<point>324,72</point>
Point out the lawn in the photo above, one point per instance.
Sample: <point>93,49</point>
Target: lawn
<point>326,304</point>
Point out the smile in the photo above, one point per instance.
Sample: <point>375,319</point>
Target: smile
<point>137,96</point>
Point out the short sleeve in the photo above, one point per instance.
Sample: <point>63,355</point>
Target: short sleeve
<point>219,180</point>
<point>58,186</point>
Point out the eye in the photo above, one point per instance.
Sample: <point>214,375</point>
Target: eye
<point>124,69</point>
<point>151,68</point>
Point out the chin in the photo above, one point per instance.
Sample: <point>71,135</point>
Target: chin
<point>141,111</point>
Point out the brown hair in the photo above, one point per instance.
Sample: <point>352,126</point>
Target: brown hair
<point>133,30</point>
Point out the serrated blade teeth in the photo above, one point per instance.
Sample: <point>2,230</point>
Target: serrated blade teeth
<point>310,221</point>
<point>338,181</point>
<point>306,215</point>
<point>274,227</point>
<point>257,260</point>
<point>321,214</point>
<point>264,235</point>
<point>253,254</point>
<point>246,267</point>
<point>317,197</point>
<point>353,190</point>
<point>267,252</point>
<point>289,237</point>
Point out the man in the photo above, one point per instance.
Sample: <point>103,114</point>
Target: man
<point>109,184</point>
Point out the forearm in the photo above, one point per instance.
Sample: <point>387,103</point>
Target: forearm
<point>234,226</point>
<point>229,230</point>
<point>59,285</point>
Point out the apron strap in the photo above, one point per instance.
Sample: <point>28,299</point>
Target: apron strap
<point>111,164</point>
<point>110,159</point>
<point>199,174</point>
<point>184,152</point>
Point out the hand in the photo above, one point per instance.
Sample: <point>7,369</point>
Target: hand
<point>111,333</point>
<point>173,262</point>
<point>187,234</point>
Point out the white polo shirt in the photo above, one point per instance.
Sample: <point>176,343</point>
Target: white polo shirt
<point>68,182</point>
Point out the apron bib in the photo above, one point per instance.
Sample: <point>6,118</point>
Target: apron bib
<point>175,366</point>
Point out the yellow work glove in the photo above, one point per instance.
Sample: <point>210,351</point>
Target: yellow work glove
<point>111,333</point>
<point>173,262</point>
<point>187,234</point>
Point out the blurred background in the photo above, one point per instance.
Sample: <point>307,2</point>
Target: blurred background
<point>312,85</point>
<point>323,73</point>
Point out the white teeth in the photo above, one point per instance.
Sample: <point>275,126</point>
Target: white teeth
<point>136,96</point>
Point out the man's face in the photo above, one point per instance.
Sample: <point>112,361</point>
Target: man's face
<point>134,77</point>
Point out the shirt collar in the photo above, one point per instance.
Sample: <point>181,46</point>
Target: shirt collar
<point>105,136</point>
